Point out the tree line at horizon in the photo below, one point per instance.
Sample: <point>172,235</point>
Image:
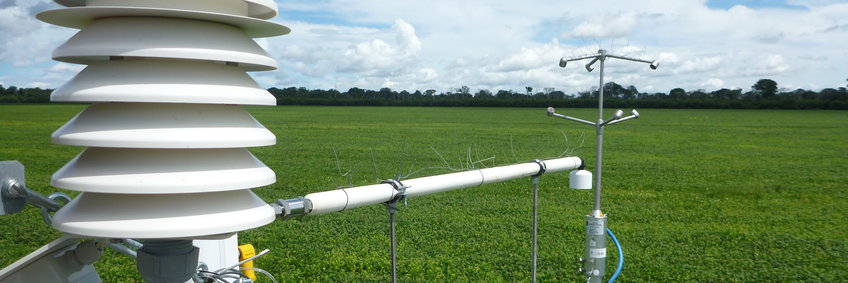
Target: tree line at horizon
<point>764,94</point>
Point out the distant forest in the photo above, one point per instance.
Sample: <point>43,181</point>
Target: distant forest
<point>764,94</point>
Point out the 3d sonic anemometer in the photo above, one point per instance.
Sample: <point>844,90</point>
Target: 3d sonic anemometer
<point>164,174</point>
<point>594,262</point>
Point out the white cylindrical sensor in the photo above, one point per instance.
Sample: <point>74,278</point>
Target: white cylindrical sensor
<point>580,180</point>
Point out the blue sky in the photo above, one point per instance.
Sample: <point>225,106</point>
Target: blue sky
<point>756,4</point>
<point>508,44</point>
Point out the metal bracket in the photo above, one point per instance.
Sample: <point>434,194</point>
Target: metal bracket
<point>12,175</point>
<point>15,195</point>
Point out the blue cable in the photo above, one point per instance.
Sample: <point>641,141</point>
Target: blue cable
<point>620,257</point>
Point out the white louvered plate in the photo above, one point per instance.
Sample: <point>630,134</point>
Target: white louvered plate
<point>261,9</point>
<point>164,38</point>
<point>79,17</point>
<point>167,81</point>
<point>162,216</point>
<point>163,125</point>
<point>162,171</point>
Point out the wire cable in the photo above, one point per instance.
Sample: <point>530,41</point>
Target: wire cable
<point>262,271</point>
<point>620,257</point>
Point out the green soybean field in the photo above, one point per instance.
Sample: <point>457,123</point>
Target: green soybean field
<point>692,195</point>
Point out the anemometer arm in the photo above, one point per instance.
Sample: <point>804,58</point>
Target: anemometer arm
<point>552,113</point>
<point>633,115</point>
<point>616,118</point>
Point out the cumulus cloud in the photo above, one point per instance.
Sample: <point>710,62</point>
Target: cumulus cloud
<point>510,44</point>
<point>379,58</point>
<point>28,43</point>
<point>332,56</point>
<point>426,75</point>
<point>768,65</point>
<point>16,23</point>
<point>713,83</point>
<point>606,25</point>
<point>527,58</point>
<point>699,65</point>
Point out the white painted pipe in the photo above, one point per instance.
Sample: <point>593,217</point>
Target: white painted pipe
<point>343,199</point>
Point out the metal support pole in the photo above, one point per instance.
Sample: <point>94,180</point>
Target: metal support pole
<point>535,226</point>
<point>391,207</point>
<point>393,242</point>
<point>596,222</point>
<point>595,246</point>
<point>600,144</point>
<point>535,253</point>
<point>595,264</point>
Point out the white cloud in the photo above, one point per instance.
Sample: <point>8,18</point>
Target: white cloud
<point>606,25</point>
<point>426,75</point>
<point>379,58</point>
<point>699,65</point>
<point>66,68</point>
<point>510,44</point>
<point>527,58</point>
<point>18,26</point>
<point>713,83</point>
<point>768,65</point>
<point>485,45</point>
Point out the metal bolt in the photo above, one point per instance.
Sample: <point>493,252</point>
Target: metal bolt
<point>13,188</point>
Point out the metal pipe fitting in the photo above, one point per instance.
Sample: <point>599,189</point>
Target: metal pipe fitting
<point>290,208</point>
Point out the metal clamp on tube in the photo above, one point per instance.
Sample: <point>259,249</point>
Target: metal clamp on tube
<point>399,196</point>
<point>542,167</point>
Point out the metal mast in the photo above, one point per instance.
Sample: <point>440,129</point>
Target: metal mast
<point>595,252</point>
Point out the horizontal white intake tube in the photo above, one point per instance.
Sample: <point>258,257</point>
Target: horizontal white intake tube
<point>343,199</point>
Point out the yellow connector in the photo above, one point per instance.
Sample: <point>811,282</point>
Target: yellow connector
<point>247,251</point>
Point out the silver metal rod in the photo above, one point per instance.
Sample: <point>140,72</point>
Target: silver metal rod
<point>630,59</point>
<point>623,119</point>
<point>235,266</point>
<point>122,249</point>
<point>600,143</point>
<point>535,252</point>
<point>132,243</point>
<point>607,122</point>
<point>393,245</point>
<point>572,119</point>
<point>580,58</point>
<point>32,197</point>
